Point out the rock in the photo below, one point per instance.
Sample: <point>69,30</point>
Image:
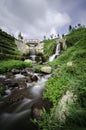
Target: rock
<point>46,69</point>
<point>28,79</point>
<point>22,83</point>
<point>70,63</point>
<point>37,113</point>
<point>19,76</point>
<point>62,110</point>
<point>28,60</point>
<point>2,76</point>
<point>34,78</point>
<point>24,72</point>
<point>10,83</point>
<point>15,71</point>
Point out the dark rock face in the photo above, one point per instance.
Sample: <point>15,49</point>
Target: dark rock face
<point>34,78</point>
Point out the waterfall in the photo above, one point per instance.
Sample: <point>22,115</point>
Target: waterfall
<point>32,52</point>
<point>56,53</point>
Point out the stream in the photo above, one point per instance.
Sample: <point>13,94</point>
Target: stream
<point>22,96</point>
<point>16,114</point>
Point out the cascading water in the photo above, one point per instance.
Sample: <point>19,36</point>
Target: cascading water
<point>17,116</point>
<point>32,53</point>
<point>56,53</point>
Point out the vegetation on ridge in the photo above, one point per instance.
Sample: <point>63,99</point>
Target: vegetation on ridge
<point>68,77</point>
<point>8,49</point>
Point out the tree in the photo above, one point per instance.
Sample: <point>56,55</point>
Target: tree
<point>63,36</point>
<point>79,25</point>
<point>20,37</point>
<point>51,36</point>
<point>44,37</point>
<point>70,28</point>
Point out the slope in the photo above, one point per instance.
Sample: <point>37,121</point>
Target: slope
<point>8,49</point>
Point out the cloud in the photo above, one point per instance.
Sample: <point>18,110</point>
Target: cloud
<point>36,18</point>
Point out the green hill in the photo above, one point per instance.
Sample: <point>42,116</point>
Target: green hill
<point>69,74</point>
<point>49,47</point>
<point>8,49</point>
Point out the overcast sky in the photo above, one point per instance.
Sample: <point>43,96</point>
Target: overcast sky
<point>36,18</point>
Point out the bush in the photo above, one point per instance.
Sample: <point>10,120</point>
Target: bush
<point>8,65</point>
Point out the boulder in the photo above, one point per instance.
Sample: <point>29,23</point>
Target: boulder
<point>22,83</point>
<point>24,72</point>
<point>70,63</point>
<point>15,71</point>
<point>28,60</point>
<point>46,69</point>
<point>34,78</point>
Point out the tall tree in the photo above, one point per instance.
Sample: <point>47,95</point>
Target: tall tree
<point>70,28</point>
<point>20,37</point>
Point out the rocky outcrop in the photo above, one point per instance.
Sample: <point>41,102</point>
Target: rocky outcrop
<point>62,110</point>
<point>22,47</point>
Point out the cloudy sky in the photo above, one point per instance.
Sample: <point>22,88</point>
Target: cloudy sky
<point>36,18</point>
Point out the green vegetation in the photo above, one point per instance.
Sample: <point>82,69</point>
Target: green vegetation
<point>49,47</point>
<point>8,49</point>
<point>69,77</point>
<point>8,65</point>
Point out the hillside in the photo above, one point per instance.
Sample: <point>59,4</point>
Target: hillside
<point>69,76</point>
<point>8,49</point>
<point>49,47</point>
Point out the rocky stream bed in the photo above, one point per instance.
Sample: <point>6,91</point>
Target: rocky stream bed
<point>22,99</point>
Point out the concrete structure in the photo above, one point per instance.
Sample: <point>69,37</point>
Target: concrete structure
<point>35,44</point>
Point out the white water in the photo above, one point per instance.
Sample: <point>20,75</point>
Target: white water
<point>38,88</point>
<point>56,53</point>
<point>16,119</point>
<point>32,53</point>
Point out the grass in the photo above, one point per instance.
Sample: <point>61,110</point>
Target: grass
<point>8,65</point>
<point>72,78</point>
<point>8,49</point>
<point>49,47</point>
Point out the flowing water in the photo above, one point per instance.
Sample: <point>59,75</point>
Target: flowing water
<point>32,53</point>
<point>56,53</point>
<point>16,117</point>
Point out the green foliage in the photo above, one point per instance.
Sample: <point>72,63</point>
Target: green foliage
<point>72,77</point>
<point>38,68</point>
<point>45,122</point>
<point>8,65</point>
<point>49,47</point>
<point>75,36</point>
<point>8,49</point>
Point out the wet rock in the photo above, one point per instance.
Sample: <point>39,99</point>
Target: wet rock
<point>10,83</point>
<point>2,76</point>
<point>28,79</point>
<point>19,76</point>
<point>15,71</point>
<point>24,72</point>
<point>46,69</point>
<point>34,78</point>
<point>22,83</point>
